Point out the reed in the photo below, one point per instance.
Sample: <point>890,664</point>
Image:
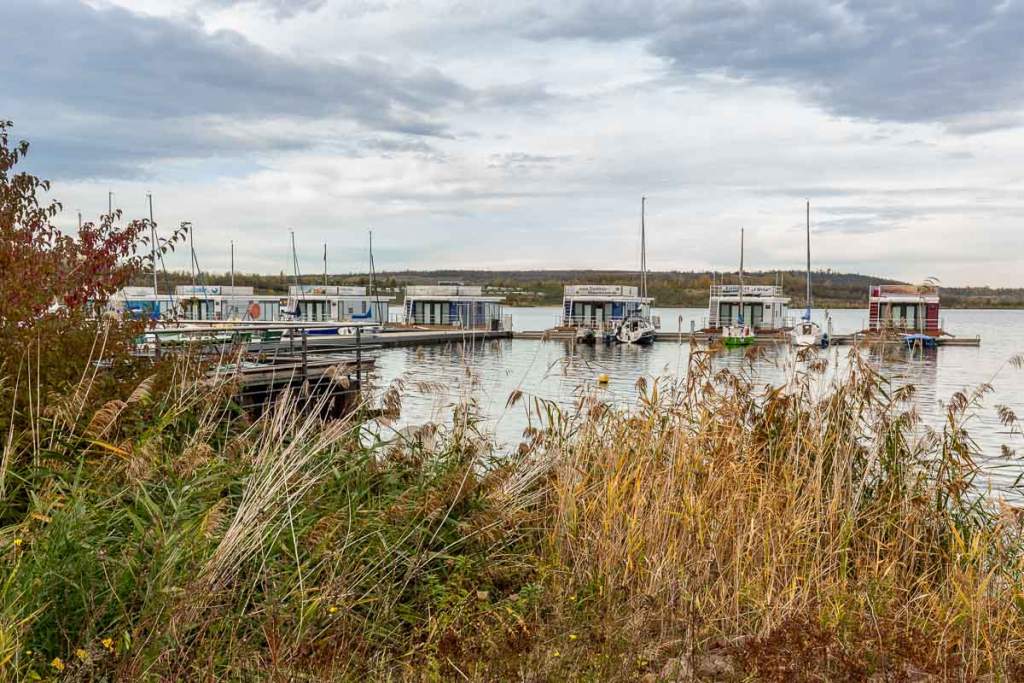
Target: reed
<point>718,530</point>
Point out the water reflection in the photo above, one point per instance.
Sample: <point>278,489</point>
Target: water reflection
<point>440,377</point>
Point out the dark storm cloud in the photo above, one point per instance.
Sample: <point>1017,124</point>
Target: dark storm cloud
<point>124,88</point>
<point>909,61</point>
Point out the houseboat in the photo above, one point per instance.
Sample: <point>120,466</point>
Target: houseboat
<point>764,308</point>
<point>905,309</point>
<point>453,305</point>
<point>143,302</point>
<point>226,302</point>
<point>336,303</point>
<point>602,307</point>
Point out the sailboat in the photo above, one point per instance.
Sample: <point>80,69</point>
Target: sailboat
<point>738,333</point>
<point>637,329</point>
<point>369,315</point>
<point>807,332</point>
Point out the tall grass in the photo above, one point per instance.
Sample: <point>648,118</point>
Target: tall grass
<point>788,532</point>
<point>719,529</point>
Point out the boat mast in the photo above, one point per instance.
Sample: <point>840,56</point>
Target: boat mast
<point>152,238</point>
<point>807,313</point>
<point>192,264</point>
<point>296,275</point>
<point>325,264</point>
<point>371,262</point>
<point>643,250</point>
<point>232,266</point>
<point>373,287</point>
<point>741,277</point>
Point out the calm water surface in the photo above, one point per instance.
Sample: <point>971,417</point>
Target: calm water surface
<point>439,377</point>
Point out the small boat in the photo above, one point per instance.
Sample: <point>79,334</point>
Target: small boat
<point>635,330</point>
<point>738,333</point>
<point>586,335</point>
<point>638,329</point>
<point>922,341</point>
<point>808,332</point>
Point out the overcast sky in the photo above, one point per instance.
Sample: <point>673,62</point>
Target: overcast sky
<point>523,134</point>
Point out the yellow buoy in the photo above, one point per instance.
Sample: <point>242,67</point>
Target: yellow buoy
<point>602,378</point>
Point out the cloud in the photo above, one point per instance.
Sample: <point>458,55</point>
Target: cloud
<point>281,9</point>
<point>130,88</point>
<point>904,61</point>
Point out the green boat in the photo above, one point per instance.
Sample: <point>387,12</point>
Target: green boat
<point>738,333</point>
<point>735,336</point>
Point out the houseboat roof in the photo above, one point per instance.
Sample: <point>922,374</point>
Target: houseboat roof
<point>334,291</point>
<point>449,293</point>
<point>928,294</point>
<point>750,292</point>
<point>212,290</point>
<point>605,293</point>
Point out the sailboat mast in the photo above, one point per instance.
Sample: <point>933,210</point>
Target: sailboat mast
<point>152,237</point>
<point>192,264</point>
<point>232,266</point>
<point>741,276</point>
<point>325,264</point>
<point>371,262</point>
<point>643,249</point>
<point>808,313</point>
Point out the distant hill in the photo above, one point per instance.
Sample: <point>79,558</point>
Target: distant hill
<point>672,288</point>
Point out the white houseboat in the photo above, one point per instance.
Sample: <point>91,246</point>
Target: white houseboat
<point>143,302</point>
<point>765,308</point>
<point>904,308</point>
<point>226,302</point>
<point>602,307</point>
<point>453,305</point>
<point>336,303</point>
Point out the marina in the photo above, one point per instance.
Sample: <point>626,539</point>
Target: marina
<point>549,365</point>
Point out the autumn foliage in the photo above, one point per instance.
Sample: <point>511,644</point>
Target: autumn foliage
<point>53,287</point>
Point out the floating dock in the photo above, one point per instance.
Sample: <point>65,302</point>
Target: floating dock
<point>772,338</point>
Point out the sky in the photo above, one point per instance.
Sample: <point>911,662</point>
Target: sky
<point>522,135</point>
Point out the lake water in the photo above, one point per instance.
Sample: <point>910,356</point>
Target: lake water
<point>439,377</point>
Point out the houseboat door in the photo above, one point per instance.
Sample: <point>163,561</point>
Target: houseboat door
<point>754,315</point>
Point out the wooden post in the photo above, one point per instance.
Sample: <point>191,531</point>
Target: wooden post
<point>305,370</point>
<point>359,358</point>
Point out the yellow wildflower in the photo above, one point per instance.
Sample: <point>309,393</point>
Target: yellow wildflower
<point>556,653</point>
<point>17,543</point>
<point>332,609</point>
<point>108,643</point>
<point>57,663</point>
<point>572,636</point>
<point>82,654</point>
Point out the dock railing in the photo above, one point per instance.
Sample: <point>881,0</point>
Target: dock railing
<point>268,357</point>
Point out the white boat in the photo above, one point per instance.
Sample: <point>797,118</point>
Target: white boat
<point>635,330</point>
<point>807,332</point>
<point>586,335</point>
<point>638,329</point>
